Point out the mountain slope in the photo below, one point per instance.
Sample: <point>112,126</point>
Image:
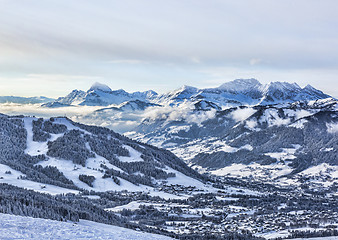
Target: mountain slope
<point>35,228</point>
<point>59,152</point>
<point>130,106</point>
<point>287,139</point>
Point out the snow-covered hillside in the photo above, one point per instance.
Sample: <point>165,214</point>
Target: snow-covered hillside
<point>17,227</point>
<point>58,156</point>
<point>270,142</point>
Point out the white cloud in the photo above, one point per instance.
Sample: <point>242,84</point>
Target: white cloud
<point>196,60</point>
<point>64,37</point>
<point>251,124</point>
<point>332,127</point>
<point>127,61</point>
<point>37,110</point>
<point>242,114</point>
<point>178,113</point>
<point>255,61</point>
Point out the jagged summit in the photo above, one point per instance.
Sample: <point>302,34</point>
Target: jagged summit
<point>282,86</point>
<point>99,86</point>
<point>187,88</point>
<point>240,85</point>
<point>309,87</point>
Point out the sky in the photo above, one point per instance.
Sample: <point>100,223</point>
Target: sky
<point>50,47</point>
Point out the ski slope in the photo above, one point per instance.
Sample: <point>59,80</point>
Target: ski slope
<point>18,227</point>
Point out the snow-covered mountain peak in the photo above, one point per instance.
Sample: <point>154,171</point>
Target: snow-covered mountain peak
<point>234,93</point>
<point>184,92</point>
<point>150,94</point>
<point>99,86</point>
<point>309,87</point>
<point>240,85</point>
<point>282,86</point>
<point>119,92</point>
<point>187,89</point>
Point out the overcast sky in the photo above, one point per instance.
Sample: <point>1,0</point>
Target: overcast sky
<point>50,47</point>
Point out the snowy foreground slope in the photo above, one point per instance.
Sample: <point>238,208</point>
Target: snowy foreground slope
<point>17,227</point>
<point>320,238</point>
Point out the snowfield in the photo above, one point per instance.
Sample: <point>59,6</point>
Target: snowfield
<point>13,177</point>
<point>18,227</point>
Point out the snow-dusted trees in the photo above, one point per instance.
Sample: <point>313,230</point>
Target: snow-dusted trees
<point>70,146</point>
<point>55,128</point>
<point>23,202</point>
<point>38,134</point>
<point>13,138</point>
<point>87,179</point>
<point>42,129</point>
<point>107,148</point>
<point>77,145</point>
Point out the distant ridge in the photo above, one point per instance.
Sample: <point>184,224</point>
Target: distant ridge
<point>233,93</point>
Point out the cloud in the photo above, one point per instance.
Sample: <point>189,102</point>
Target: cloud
<point>85,114</point>
<point>196,60</point>
<point>64,37</point>
<point>216,32</point>
<point>255,61</point>
<point>242,114</point>
<point>251,124</point>
<point>183,112</point>
<point>37,110</point>
<point>332,128</point>
<point>127,61</point>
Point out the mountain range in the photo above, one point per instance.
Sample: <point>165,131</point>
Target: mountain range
<point>237,92</point>
<point>25,100</point>
<point>266,131</point>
